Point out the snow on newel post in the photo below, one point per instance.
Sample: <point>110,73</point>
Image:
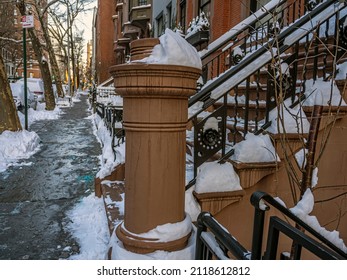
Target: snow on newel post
<point>155,91</point>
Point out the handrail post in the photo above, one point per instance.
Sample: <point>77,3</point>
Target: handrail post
<point>258,226</point>
<point>199,244</point>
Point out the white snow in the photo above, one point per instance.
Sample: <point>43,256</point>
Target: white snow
<point>197,24</point>
<point>243,24</point>
<point>89,226</point>
<point>119,253</point>
<point>174,50</point>
<point>328,93</point>
<point>289,120</point>
<point>16,146</point>
<point>211,123</point>
<point>216,177</point>
<point>341,71</point>
<point>192,207</point>
<point>167,232</point>
<point>255,148</point>
<point>300,157</point>
<point>109,160</point>
<point>302,210</point>
<point>218,92</point>
<point>305,29</point>
<point>40,114</point>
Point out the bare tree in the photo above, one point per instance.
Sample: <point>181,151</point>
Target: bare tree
<point>64,28</point>
<point>39,53</point>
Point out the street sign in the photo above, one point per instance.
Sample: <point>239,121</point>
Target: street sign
<point>28,21</point>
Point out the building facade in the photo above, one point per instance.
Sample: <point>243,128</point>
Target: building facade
<point>104,32</point>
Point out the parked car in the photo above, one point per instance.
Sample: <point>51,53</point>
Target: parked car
<point>36,87</point>
<point>18,96</point>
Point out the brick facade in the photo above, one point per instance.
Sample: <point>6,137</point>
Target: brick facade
<point>104,39</point>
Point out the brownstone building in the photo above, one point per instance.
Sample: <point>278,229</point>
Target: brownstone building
<point>104,39</point>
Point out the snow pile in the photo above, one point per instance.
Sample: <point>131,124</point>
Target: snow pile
<point>15,146</point>
<point>216,177</point>
<point>40,114</point>
<point>329,93</point>
<point>89,227</point>
<point>288,120</point>
<point>302,211</point>
<point>108,159</point>
<point>175,50</point>
<point>197,24</point>
<point>255,148</point>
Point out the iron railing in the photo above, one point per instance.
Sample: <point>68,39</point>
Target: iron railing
<point>243,96</point>
<point>214,242</point>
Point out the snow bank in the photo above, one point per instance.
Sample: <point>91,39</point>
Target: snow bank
<point>40,114</point>
<point>108,159</point>
<point>302,210</point>
<point>216,177</point>
<point>173,49</point>
<point>89,227</point>
<point>15,146</point>
<point>255,148</point>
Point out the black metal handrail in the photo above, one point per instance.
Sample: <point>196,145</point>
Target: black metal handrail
<point>213,241</point>
<point>241,27</point>
<point>237,118</point>
<point>205,92</point>
<point>251,34</point>
<point>227,243</point>
<point>258,228</point>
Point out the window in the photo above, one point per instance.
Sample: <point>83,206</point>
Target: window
<point>142,2</point>
<point>205,6</point>
<point>183,10</point>
<point>160,24</point>
<point>169,16</point>
<point>15,12</point>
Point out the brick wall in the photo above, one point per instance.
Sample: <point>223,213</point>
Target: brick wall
<point>104,41</point>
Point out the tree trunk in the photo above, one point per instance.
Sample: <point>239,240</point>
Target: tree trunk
<point>8,113</point>
<point>53,60</point>
<point>45,72</point>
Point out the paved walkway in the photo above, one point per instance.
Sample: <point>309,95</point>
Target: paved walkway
<point>34,199</point>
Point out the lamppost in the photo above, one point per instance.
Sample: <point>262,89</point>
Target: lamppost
<point>27,22</point>
<point>68,49</point>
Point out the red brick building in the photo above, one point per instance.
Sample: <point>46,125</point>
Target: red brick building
<point>104,39</point>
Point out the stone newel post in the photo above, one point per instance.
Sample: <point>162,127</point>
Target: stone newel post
<point>155,101</point>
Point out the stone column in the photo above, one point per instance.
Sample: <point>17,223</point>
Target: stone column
<point>155,101</point>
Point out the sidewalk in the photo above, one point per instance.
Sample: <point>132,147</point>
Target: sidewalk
<point>34,197</point>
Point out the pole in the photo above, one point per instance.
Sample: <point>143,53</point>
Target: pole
<point>68,50</point>
<point>25,78</point>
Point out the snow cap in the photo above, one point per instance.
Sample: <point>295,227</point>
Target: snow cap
<point>175,50</point>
